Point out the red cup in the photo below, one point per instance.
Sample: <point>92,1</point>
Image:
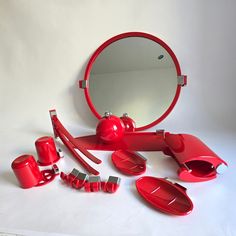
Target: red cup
<point>47,152</point>
<point>27,171</point>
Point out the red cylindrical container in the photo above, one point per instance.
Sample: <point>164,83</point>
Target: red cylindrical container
<point>26,171</point>
<point>47,152</point>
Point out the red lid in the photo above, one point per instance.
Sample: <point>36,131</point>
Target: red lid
<point>44,139</point>
<point>21,161</point>
<point>165,196</point>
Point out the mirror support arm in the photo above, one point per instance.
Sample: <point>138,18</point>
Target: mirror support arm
<point>182,80</point>
<point>83,84</point>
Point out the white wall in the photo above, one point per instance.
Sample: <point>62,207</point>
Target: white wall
<point>45,47</point>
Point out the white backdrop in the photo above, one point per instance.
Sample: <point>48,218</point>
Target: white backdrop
<point>44,48</point>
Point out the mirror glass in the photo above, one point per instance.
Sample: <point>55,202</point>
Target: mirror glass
<point>133,75</point>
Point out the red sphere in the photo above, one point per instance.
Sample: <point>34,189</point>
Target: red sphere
<point>128,123</point>
<point>110,129</point>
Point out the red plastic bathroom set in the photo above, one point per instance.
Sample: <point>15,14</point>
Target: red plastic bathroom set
<point>196,161</point>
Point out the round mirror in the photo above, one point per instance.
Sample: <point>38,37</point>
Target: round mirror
<point>134,73</point>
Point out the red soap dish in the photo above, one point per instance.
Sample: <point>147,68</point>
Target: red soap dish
<point>164,195</point>
<point>128,162</point>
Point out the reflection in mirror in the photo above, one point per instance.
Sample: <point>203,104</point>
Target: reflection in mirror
<point>134,75</point>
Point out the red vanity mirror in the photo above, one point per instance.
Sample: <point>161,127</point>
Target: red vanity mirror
<point>134,73</point>
<point>138,74</point>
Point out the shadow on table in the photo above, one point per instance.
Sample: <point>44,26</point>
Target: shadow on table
<point>8,177</point>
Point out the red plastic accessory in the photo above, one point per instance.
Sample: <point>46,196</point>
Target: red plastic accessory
<point>46,150</point>
<point>75,179</point>
<point>165,196</point>
<point>110,129</point>
<point>128,162</point>
<point>197,161</point>
<point>49,175</point>
<point>72,176</point>
<point>63,176</point>
<point>28,173</point>
<point>133,141</point>
<point>72,144</point>
<point>55,169</point>
<point>80,180</point>
<point>128,122</point>
<point>111,185</point>
<point>93,184</point>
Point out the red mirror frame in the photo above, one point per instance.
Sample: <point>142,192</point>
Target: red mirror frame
<point>122,36</point>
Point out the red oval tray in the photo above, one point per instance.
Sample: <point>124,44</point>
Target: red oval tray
<point>128,162</point>
<point>165,196</point>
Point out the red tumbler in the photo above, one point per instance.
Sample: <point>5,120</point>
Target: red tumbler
<point>47,152</point>
<point>27,171</point>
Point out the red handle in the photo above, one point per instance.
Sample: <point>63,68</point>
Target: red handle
<point>60,128</point>
<point>89,168</point>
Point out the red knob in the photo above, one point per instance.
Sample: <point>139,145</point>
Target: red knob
<point>110,129</point>
<point>128,123</point>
